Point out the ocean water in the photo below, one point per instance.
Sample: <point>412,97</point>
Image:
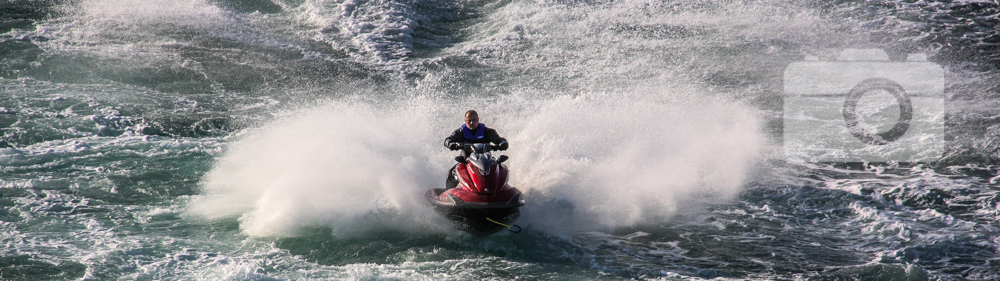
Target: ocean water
<point>293,140</point>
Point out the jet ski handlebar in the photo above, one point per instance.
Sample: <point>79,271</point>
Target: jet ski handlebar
<point>483,147</point>
<point>480,148</point>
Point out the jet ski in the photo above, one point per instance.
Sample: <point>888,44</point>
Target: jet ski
<point>476,196</point>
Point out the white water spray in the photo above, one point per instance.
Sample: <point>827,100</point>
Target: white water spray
<point>614,160</point>
<point>326,166</point>
<point>620,159</point>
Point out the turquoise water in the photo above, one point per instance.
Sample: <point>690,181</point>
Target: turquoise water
<point>293,140</point>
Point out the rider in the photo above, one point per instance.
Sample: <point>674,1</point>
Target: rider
<point>474,132</point>
<point>471,132</point>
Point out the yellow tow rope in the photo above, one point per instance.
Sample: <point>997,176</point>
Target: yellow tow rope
<point>509,227</point>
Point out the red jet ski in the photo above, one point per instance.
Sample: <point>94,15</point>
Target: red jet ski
<point>477,197</point>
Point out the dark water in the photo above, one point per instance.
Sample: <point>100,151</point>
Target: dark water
<point>293,139</point>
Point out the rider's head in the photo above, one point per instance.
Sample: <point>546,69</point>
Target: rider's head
<point>471,119</point>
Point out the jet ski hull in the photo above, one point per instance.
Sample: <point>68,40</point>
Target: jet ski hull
<point>472,212</point>
<point>476,196</point>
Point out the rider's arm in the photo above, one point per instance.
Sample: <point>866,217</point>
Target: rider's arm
<point>455,140</point>
<point>493,137</point>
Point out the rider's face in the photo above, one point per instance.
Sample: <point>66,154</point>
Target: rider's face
<point>472,121</point>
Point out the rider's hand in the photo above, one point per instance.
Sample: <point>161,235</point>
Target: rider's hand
<point>502,146</point>
<point>454,146</point>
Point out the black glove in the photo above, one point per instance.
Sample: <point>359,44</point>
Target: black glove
<point>502,146</point>
<point>454,146</point>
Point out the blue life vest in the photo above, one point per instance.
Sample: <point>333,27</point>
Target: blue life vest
<point>478,136</point>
